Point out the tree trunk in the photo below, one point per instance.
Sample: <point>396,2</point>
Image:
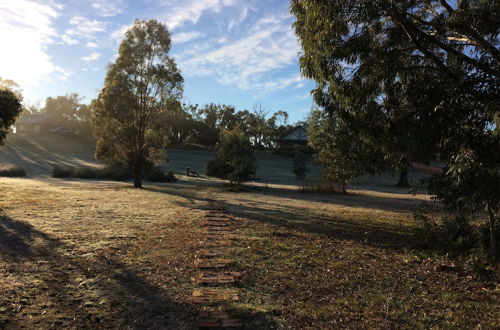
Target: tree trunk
<point>137,176</point>
<point>403,179</point>
<point>493,240</point>
<point>403,176</point>
<point>342,187</point>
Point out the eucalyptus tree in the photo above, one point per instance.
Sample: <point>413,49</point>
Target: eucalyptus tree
<point>418,78</point>
<point>141,90</point>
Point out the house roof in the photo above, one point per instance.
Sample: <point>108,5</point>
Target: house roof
<point>34,119</point>
<point>298,133</point>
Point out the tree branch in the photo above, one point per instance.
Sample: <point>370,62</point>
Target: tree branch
<point>447,6</point>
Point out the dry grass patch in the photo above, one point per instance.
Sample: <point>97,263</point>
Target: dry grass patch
<point>99,254</point>
<point>319,261</point>
<point>77,254</point>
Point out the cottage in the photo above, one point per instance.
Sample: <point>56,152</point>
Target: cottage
<point>33,123</point>
<point>297,135</point>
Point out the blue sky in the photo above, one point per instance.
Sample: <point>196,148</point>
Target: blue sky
<point>236,52</point>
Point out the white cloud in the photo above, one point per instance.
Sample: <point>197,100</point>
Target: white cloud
<point>237,21</point>
<point>63,74</point>
<point>119,33</point>
<point>91,44</point>
<point>27,31</point>
<point>180,12</point>
<point>68,40</point>
<point>107,8</point>
<point>271,45</point>
<point>84,27</point>
<point>91,57</point>
<point>179,38</point>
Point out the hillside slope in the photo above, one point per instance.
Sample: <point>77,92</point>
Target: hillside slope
<point>38,154</point>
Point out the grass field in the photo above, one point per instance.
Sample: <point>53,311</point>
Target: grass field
<point>84,254</point>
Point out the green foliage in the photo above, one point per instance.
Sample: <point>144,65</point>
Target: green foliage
<point>62,171</point>
<point>300,168</point>
<point>418,79</point>
<point>10,108</point>
<point>339,150</point>
<point>141,90</point>
<point>204,124</point>
<point>158,175</point>
<point>13,87</point>
<point>218,169</point>
<point>85,172</point>
<point>11,170</point>
<point>110,173</point>
<point>234,157</point>
<point>67,111</point>
<point>457,234</point>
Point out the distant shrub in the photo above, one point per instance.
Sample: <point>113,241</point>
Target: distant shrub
<point>321,186</point>
<point>300,168</point>
<point>157,175</point>
<point>86,172</point>
<point>233,157</point>
<point>12,170</point>
<point>218,169</point>
<point>109,173</point>
<point>62,171</point>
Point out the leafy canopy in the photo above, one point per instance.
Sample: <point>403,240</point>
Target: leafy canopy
<point>10,108</point>
<point>419,78</point>
<point>234,157</point>
<point>141,90</point>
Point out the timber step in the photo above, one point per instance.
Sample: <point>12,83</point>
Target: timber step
<point>218,319</point>
<point>207,277</point>
<point>209,295</point>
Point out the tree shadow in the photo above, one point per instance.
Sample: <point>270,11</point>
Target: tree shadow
<point>376,233</point>
<point>86,292</point>
<point>392,201</point>
<point>381,235</point>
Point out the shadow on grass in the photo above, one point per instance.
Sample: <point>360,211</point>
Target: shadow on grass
<point>377,234</point>
<point>300,219</point>
<point>85,292</point>
<point>403,202</point>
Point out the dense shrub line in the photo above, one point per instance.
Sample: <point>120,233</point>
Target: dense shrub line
<point>110,173</point>
<point>11,170</point>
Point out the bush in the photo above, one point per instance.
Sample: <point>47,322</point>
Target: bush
<point>85,172</point>
<point>456,233</point>
<point>11,170</point>
<point>300,168</point>
<point>62,171</point>
<point>321,186</point>
<point>157,175</point>
<point>218,169</point>
<point>109,173</point>
<point>235,151</point>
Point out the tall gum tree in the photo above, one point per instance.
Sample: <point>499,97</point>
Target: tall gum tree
<point>418,78</point>
<point>141,90</point>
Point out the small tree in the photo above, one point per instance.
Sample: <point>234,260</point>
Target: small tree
<point>338,150</point>
<point>300,168</point>
<point>234,157</point>
<point>10,108</point>
<point>140,90</point>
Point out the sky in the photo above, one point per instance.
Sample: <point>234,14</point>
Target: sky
<point>235,52</point>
